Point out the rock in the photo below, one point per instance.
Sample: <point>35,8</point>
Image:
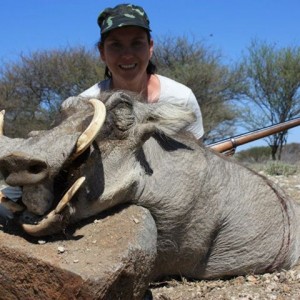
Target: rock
<point>108,259</point>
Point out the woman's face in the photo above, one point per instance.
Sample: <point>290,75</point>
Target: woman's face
<point>126,52</point>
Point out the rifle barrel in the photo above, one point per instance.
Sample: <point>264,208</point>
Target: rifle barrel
<point>228,144</point>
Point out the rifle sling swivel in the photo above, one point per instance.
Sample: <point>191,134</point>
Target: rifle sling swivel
<point>233,142</point>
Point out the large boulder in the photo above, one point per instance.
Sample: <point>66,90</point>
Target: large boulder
<point>108,258</point>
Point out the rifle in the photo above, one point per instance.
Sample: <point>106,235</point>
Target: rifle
<point>233,142</point>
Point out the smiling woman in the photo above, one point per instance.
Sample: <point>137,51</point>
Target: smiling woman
<point>126,47</point>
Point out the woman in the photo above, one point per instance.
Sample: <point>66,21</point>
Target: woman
<point>126,47</point>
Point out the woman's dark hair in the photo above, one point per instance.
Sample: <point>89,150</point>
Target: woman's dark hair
<point>151,68</point>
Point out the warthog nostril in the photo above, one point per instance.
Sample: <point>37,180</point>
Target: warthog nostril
<point>37,168</point>
<point>20,169</point>
<point>4,172</point>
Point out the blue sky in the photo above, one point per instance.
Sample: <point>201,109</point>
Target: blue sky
<point>225,25</point>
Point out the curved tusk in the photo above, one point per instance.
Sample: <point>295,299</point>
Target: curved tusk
<point>87,137</point>
<point>69,194</point>
<point>2,113</point>
<point>53,222</point>
<point>50,225</point>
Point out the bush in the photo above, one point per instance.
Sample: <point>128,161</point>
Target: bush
<point>254,155</point>
<point>279,168</point>
<point>290,153</point>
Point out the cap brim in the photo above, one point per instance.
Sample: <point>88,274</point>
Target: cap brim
<point>125,25</point>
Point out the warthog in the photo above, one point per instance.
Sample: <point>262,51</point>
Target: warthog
<point>214,217</point>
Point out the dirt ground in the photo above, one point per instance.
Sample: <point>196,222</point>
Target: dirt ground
<point>283,285</point>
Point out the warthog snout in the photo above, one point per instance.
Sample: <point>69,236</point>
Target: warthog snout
<point>18,169</point>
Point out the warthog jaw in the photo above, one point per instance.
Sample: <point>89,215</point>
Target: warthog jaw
<point>53,220</point>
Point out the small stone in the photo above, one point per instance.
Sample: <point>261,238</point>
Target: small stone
<point>239,280</point>
<point>286,288</point>
<point>136,221</point>
<point>75,261</point>
<point>251,279</point>
<point>275,278</point>
<point>61,249</point>
<point>293,275</point>
<point>41,242</point>
<point>266,277</point>
<point>271,287</point>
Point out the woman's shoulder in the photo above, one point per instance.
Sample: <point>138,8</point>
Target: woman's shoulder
<point>172,88</point>
<point>96,89</point>
<point>171,81</point>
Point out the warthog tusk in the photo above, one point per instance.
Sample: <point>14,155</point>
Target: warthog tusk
<point>2,113</point>
<point>52,222</point>
<point>69,194</point>
<point>87,137</point>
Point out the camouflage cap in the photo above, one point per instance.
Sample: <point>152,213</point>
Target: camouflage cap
<point>123,15</point>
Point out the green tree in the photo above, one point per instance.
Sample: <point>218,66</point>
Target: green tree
<point>32,89</point>
<point>214,84</point>
<point>273,77</point>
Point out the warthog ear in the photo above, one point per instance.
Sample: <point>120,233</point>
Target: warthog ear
<point>141,120</point>
<point>120,112</point>
<point>113,100</point>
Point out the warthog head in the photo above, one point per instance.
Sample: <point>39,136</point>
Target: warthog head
<point>51,166</point>
<point>35,163</point>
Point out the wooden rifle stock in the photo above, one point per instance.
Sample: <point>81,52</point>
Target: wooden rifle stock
<point>232,143</point>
